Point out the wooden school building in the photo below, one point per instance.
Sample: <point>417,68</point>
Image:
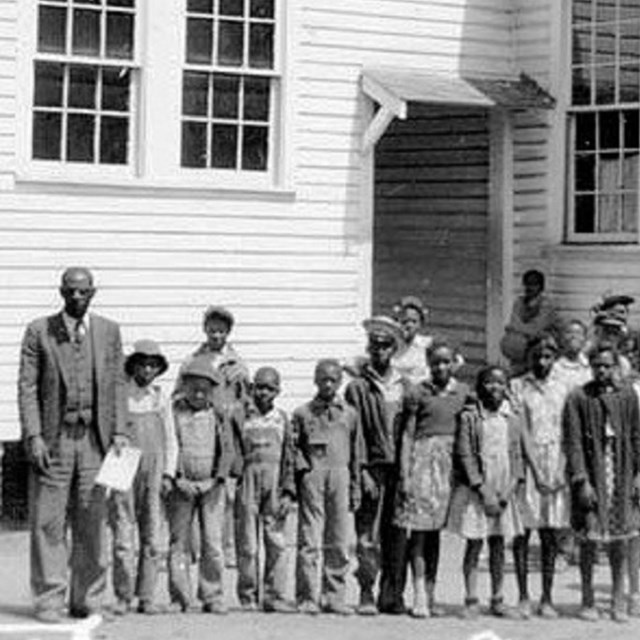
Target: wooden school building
<point>305,163</point>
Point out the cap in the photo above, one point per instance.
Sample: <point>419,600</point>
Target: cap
<point>219,312</point>
<point>200,367</point>
<point>145,349</point>
<point>609,301</point>
<point>384,326</point>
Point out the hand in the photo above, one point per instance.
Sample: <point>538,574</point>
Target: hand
<point>203,486</point>
<point>167,486</point>
<point>284,508</point>
<point>490,502</point>
<point>544,488</point>
<point>186,487</point>
<point>354,502</point>
<point>369,485</point>
<point>587,497</point>
<point>38,453</point>
<point>119,443</point>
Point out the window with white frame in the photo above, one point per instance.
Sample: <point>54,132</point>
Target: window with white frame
<point>604,133</point>
<point>84,80</point>
<point>230,84</point>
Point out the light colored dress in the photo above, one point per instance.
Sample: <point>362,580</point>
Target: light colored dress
<point>542,403</point>
<point>572,373</point>
<point>467,517</point>
<point>410,361</point>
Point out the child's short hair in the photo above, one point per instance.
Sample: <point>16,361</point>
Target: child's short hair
<point>441,343</point>
<point>576,322</point>
<point>267,371</point>
<point>543,341</point>
<point>323,363</point>
<point>484,374</point>
<point>603,346</point>
<point>534,275</point>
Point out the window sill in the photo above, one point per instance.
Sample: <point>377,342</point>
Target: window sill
<point>120,182</point>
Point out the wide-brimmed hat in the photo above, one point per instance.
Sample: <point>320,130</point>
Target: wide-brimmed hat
<point>145,349</point>
<point>222,313</point>
<point>200,367</point>
<point>384,327</point>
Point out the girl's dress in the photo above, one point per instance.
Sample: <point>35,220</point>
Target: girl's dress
<point>486,453</point>
<point>410,361</point>
<point>427,457</point>
<point>542,403</point>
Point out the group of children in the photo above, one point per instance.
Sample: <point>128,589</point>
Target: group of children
<point>402,444</point>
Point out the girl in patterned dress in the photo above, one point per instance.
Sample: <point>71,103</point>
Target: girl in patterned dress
<point>427,433</point>
<point>544,505</point>
<point>490,448</point>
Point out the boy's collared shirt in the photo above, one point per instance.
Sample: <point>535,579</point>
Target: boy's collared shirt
<point>392,387</point>
<point>263,431</point>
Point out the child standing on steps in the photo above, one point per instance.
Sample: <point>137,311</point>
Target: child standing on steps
<point>427,432</point>
<point>488,464</point>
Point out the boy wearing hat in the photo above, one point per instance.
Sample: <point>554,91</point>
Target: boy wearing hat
<point>327,466</point>
<point>150,427</point>
<point>205,455</point>
<point>378,395</point>
<point>264,496</point>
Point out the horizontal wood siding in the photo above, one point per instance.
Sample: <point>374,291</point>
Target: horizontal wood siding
<point>430,237</point>
<point>289,267</point>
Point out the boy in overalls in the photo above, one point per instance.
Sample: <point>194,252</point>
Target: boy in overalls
<point>150,426</point>
<point>327,437</point>
<point>205,455</point>
<point>264,496</point>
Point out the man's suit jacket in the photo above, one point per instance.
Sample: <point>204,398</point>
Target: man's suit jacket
<point>44,372</point>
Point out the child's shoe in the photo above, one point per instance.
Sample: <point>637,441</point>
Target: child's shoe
<point>149,608</point>
<point>216,607</point>
<point>279,606</point>
<point>338,609</point>
<point>500,610</point>
<point>547,611</point>
<point>471,609</point>
<point>589,614</point>
<point>121,607</point>
<point>309,607</point>
<point>419,609</point>
<point>634,605</point>
<point>367,606</point>
<point>524,609</point>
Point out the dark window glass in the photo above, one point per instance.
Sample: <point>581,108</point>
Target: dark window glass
<point>609,130</point>
<point>200,6</point>
<point>86,32</point>
<point>115,89</point>
<point>114,140</point>
<point>256,98</point>
<point>586,131</point>
<point>226,95</point>
<point>262,9</point>
<point>231,7</point>
<point>199,40</point>
<point>230,43</point>
<point>586,172</point>
<point>585,214</point>
<point>631,132</point>
<point>52,29</point>
<point>581,11</point>
<point>224,146</point>
<point>581,93</point>
<point>261,46</point>
<point>130,4</point>
<point>83,80</point>
<point>255,145</point>
<point>47,133</point>
<point>120,35</point>
<point>194,144</point>
<point>630,83</point>
<point>49,79</point>
<point>195,91</point>
<point>80,137</point>
<point>605,84</point>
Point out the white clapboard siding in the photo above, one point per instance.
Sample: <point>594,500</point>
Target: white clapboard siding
<point>288,266</point>
<point>431,221</point>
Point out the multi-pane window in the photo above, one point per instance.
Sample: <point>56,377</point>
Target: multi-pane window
<point>83,81</point>
<point>604,121</point>
<point>229,84</point>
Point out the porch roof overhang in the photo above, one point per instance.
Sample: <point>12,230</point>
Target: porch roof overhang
<point>394,88</point>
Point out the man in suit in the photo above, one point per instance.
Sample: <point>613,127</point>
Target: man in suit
<point>71,401</point>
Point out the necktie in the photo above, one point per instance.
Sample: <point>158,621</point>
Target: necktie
<point>79,332</point>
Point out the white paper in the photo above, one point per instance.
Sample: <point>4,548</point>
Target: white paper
<point>118,471</point>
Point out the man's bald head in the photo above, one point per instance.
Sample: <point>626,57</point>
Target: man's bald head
<point>75,274</point>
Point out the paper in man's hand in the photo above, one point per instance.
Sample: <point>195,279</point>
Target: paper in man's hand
<point>118,471</point>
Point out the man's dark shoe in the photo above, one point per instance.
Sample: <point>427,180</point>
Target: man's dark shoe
<point>81,613</point>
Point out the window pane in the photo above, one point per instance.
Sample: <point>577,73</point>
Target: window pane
<point>608,172</point>
<point>194,144</point>
<point>199,40</point>
<point>630,172</point>
<point>631,132</point>
<point>609,130</point>
<point>585,214</point>
<point>608,213</point>
<point>585,172</point>
<point>195,91</point>
<point>47,128</point>
<point>52,29</point>
<point>261,46</point>
<point>200,6</point>
<point>630,40</point>
<point>255,145</point>
<point>49,79</point>
<point>80,132</point>
<point>226,96</point>
<point>605,10</point>
<point>605,45</point>
<point>630,83</point>
<point>224,145</point>
<point>86,32</point>
<point>586,132</point>
<point>120,35</point>
<point>115,89</point>
<point>581,93</point>
<point>230,43</point>
<point>605,85</point>
<point>231,7</point>
<point>628,9</point>
<point>114,139</point>
<point>94,2</point>
<point>630,212</point>
<point>256,99</point>
<point>121,3</point>
<point>262,9</point>
<point>82,87</point>
<point>581,46</point>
